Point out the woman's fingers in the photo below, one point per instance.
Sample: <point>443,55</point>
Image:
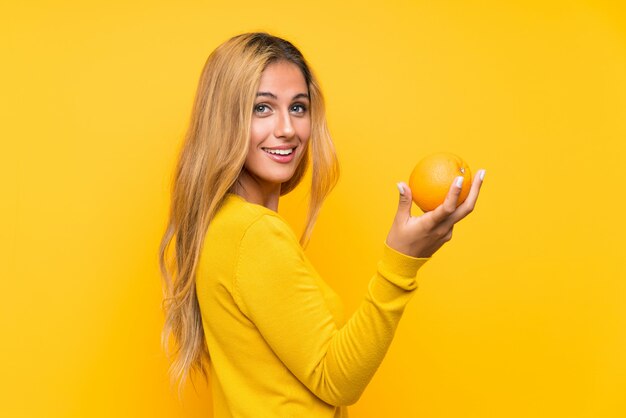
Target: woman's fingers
<point>448,212</point>
<point>423,235</point>
<point>470,202</point>
<point>442,212</point>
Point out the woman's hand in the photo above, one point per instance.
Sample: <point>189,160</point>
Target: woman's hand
<point>422,236</point>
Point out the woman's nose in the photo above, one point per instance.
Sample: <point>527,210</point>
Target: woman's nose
<point>284,126</point>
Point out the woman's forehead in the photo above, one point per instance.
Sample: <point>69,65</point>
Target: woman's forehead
<point>283,76</point>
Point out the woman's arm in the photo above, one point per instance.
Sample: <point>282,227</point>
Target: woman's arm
<point>275,287</point>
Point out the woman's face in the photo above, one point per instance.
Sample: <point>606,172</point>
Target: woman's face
<point>281,125</point>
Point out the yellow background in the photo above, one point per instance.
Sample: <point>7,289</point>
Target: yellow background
<point>522,314</point>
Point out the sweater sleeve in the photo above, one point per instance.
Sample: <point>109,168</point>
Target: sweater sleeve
<point>275,287</point>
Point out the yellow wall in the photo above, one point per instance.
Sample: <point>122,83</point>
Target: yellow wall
<point>522,314</point>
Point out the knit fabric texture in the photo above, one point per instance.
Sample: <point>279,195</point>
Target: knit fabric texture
<point>279,343</point>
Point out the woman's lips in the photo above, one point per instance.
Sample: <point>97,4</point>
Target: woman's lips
<point>280,158</point>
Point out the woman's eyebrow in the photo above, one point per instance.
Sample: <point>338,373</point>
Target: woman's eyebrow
<point>273,96</point>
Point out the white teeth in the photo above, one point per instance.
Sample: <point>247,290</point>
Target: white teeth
<point>279,151</point>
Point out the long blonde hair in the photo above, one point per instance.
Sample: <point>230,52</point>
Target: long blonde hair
<point>210,160</point>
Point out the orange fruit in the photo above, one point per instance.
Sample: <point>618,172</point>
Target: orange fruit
<point>432,177</point>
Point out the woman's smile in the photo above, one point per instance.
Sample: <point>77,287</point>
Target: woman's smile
<point>281,154</point>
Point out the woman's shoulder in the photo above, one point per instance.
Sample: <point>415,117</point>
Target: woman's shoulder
<point>239,224</point>
<point>244,218</point>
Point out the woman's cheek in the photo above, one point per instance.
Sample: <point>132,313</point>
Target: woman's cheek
<point>257,131</point>
<point>305,130</point>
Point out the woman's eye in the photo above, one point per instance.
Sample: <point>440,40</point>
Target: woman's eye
<point>260,108</point>
<point>298,108</point>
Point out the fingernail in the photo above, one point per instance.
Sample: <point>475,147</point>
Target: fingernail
<point>459,181</point>
<point>482,174</point>
<point>400,188</point>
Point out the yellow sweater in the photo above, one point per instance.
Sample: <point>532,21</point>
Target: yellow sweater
<point>279,344</point>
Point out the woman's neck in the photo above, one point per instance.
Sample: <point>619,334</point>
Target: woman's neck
<point>258,192</point>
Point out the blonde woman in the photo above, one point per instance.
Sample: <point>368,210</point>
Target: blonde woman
<point>242,301</point>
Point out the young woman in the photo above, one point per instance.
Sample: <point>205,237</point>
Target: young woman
<point>241,298</point>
